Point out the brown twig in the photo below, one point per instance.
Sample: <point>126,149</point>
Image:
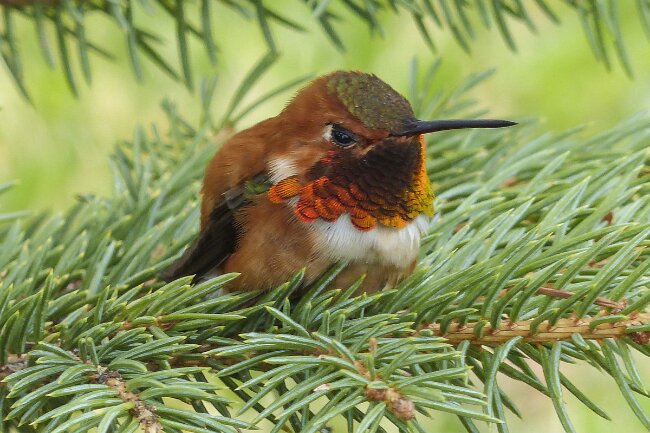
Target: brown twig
<point>14,363</point>
<point>603,302</point>
<point>145,414</point>
<point>545,333</point>
<point>401,406</point>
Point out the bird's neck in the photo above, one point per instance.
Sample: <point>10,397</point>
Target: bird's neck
<point>387,187</point>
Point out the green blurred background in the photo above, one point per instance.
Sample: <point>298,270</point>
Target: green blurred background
<point>59,146</point>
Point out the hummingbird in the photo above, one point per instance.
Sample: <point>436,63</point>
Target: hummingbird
<point>339,175</point>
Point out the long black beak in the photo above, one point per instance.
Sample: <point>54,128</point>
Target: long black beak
<point>422,127</point>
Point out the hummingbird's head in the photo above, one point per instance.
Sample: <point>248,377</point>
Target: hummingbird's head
<point>354,132</point>
<point>353,109</point>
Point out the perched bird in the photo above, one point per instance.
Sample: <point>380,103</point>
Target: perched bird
<point>344,165</point>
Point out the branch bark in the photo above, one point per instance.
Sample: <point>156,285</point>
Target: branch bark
<point>545,333</point>
<point>14,363</point>
<point>145,414</point>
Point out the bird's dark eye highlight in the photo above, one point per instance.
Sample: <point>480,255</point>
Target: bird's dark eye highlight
<point>342,137</point>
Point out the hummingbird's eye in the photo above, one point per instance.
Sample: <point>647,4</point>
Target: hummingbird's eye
<point>342,137</point>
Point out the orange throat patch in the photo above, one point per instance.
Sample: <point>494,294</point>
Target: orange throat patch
<point>391,192</point>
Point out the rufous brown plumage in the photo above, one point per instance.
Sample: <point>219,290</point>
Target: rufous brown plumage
<point>345,165</point>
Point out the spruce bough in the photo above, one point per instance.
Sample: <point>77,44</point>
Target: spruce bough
<point>64,29</point>
<point>539,254</point>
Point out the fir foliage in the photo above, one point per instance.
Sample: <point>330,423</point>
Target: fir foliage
<point>89,338</point>
<point>64,39</point>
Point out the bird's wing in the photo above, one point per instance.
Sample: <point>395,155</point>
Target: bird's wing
<point>218,238</point>
<point>226,188</point>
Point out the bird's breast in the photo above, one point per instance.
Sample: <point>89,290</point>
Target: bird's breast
<point>341,240</point>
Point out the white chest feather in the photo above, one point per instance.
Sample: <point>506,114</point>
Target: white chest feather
<point>341,240</point>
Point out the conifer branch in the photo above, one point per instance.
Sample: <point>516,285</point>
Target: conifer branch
<point>600,21</point>
<point>600,301</point>
<point>590,328</point>
<point>144,413</point>
<point>79,291</point>
<point>14,363</point>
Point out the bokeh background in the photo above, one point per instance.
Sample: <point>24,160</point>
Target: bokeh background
<point>58,146</point>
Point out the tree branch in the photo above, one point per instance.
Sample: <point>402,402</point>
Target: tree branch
<point>145,414</point>
<point>545,333</point>
<point>603,302</point>
<point>14,364</point>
